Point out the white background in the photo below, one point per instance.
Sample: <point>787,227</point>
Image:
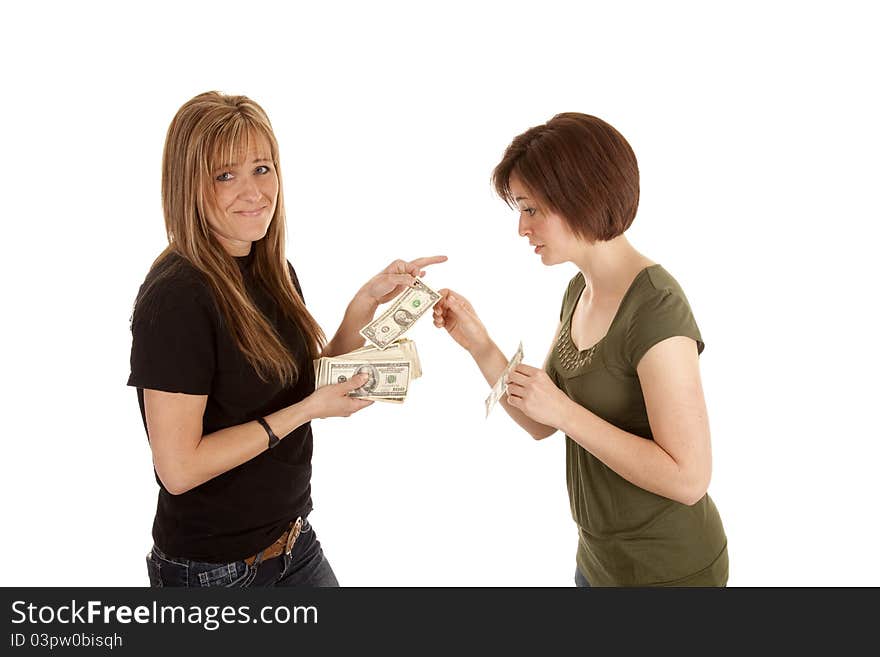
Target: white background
<point>756,130</point>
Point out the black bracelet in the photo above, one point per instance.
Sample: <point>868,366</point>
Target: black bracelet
<point>273,439</point>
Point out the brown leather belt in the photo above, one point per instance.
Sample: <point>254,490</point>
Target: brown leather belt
<point>283,545</point>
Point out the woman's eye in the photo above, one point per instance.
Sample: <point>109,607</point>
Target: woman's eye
<point>262,169</point>
<point>224,177</point>
<point>529,211</point>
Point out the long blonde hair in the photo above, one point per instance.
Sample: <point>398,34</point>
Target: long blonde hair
<point>207,130</point>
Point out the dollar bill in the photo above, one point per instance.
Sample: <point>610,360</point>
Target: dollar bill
<point>500,387</point>
<point>404,311</point>
<point>387,381</point>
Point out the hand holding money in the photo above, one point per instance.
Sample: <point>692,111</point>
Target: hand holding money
<point>396,277</point>
<point>386,374</point>
<point>336,400</point>
<point>531,390</point>
<point>456,314</point>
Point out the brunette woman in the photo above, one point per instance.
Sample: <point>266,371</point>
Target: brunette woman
<point>622,379</point>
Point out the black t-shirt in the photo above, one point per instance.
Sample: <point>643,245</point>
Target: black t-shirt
<point>181,343</point>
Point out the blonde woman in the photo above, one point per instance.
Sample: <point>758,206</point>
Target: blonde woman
<point>622,380</point>
<point>222,345</point>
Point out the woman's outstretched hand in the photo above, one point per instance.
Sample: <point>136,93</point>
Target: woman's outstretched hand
<point>455,313</point>
<point>397,276</point>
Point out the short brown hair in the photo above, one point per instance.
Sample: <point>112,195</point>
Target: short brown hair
<point>580,168</point>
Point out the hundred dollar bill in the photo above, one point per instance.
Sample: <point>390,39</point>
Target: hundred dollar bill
<point>402,349</point>
<point>324,366</point>
<point>411,304</point>
<point>500,387</point>
<point>386,380</point>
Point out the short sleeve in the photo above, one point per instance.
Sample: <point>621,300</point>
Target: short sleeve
<point>665,314</point>
<point>173,344</point>
<point>572,292</point>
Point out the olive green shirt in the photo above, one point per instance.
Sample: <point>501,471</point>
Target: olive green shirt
<point>627,535</point>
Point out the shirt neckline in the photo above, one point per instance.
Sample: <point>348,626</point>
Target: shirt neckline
<point>623,299</point>
<point>244,262</point>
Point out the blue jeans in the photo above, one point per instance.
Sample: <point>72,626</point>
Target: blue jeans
<point>305,566</point>
<point>579,579</point>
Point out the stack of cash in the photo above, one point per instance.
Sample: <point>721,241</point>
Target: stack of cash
<point>390,360</point>
<point>390,370</point>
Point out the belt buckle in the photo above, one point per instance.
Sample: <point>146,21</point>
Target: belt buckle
<point>293,534</point>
